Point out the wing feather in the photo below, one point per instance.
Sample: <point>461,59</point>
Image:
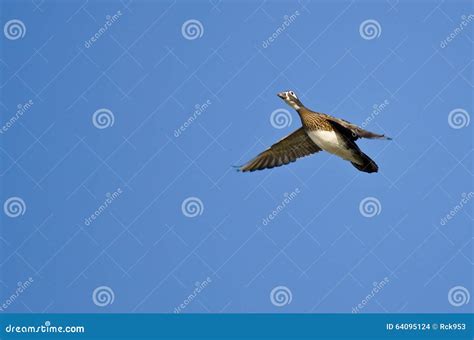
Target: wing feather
<point>287,150</point>
<point>356,131</point>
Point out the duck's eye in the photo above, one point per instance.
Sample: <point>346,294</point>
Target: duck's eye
<point>292,93</point>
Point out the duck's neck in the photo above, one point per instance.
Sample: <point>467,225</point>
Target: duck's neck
<point>296,106</point>
<point>305,115</point>
<point>302,110</point>
<point>295,103</point>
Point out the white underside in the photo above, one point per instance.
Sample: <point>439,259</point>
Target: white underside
<point>329,141</point>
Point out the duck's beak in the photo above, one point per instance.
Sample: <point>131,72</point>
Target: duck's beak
<point>282,95</point>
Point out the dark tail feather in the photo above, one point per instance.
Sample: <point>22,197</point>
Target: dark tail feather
<point>365,164</point>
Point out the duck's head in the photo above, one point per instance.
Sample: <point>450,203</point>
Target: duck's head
<point>291,99</point>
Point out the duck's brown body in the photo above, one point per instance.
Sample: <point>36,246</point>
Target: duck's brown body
<point>319,131</point>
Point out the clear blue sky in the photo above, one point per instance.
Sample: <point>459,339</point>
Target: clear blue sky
<point>149,76</point>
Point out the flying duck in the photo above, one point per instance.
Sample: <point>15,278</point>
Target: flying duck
<point>320,131</point>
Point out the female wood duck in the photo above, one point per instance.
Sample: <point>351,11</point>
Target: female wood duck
<point>319,132</point>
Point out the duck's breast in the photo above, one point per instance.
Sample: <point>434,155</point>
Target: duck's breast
<point>332,142</point>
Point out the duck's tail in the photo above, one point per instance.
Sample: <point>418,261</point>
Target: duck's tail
<point>365,163</point>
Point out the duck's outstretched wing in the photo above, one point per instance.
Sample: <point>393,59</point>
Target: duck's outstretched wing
<point>356,131</point>
<point>287,150</point>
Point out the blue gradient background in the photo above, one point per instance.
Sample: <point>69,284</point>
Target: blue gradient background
<point>151,78</point>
